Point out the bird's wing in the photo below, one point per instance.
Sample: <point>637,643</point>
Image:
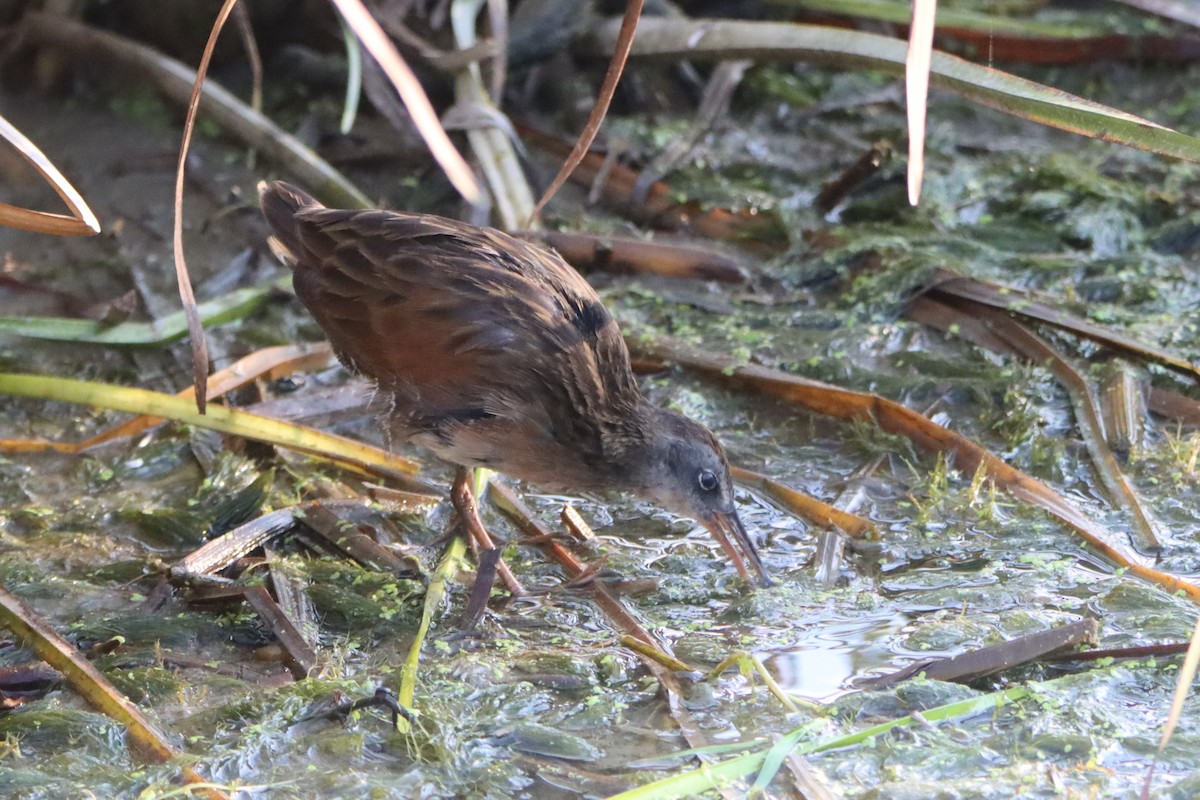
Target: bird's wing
<point>467,321</point>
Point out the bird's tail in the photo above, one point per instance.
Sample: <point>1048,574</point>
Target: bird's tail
<point>280,202</point>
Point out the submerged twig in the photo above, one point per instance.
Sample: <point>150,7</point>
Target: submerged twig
<point>507,501</point>
<point>866,166</point>
<point>486,562</point>
<point>381,698</point>
<point>994,658</point>
<point>301,658</point>
<point>341,535</point>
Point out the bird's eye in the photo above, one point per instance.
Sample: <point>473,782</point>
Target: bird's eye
<point>708,480</point>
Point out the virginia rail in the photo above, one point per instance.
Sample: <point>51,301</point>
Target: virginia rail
<point>493,352</point>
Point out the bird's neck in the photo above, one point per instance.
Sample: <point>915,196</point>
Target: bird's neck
<point>633,441</point>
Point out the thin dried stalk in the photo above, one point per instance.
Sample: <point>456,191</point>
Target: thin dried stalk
<point>947,283</point>
<point>376,42</point>
<point>82,221</point>
<point>338,449</point>
<point>916,90</point>
<point>1087,415</point>
<point>182,277</point>
<point>620,54</point>
<point>490,144</point>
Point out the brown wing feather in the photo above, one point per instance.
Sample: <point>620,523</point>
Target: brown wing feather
<point>467,325</point>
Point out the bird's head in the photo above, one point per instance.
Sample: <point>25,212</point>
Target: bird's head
<point>683,468</point>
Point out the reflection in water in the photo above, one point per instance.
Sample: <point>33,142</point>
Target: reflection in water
<point>819,667</point>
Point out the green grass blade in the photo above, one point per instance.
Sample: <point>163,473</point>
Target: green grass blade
<point>227,308</point>
<point>673,39</point>
<point>219,418</point>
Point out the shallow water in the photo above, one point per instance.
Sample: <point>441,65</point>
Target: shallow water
<point>544,702</point>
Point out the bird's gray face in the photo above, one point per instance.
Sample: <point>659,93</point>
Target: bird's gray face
<point>689,475</point>
<point>692,479</point>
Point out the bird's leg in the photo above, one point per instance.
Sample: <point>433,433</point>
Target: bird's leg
<point>463,498</point>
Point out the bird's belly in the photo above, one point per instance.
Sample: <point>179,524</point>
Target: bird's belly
<point>533,459</point>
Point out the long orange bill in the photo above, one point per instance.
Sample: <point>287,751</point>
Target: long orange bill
<point>728,528</point>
